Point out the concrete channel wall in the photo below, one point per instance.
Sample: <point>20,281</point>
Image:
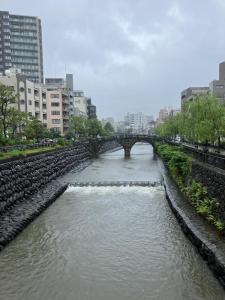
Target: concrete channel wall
<point>28,185</point>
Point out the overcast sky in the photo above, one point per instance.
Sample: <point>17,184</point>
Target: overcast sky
<point>130,55</point>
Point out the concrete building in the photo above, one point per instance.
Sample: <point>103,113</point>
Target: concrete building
<point>21,45</point>
<point>52,103</point>
<point>91,109</point>
<point>137,122</point>
<point>80,104</point>
<point>217,87</point>
<point>190,93</point>
<point>57,110</point>
<point>163,115</point>
<point>31,98</point>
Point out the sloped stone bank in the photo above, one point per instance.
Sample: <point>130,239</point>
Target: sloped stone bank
<point>20,179</point>
<point>21,214</point>
<point>29,185</point>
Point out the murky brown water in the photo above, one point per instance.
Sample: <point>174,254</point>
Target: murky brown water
<point>107,243</point>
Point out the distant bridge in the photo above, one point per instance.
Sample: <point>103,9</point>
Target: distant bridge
<point>126,141</point>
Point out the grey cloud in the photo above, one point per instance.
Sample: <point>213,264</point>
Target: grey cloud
<point>130,55</point>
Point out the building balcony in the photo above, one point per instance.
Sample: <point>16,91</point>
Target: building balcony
<point>66,117</point>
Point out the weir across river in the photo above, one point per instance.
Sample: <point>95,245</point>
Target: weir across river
<point>118,183</point>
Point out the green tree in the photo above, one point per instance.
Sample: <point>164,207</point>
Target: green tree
<point>202,120</point>
<point>35,129</point>
<point>16,122</point>
<point>108,129</point>
<point>7,98</point>
<point>94,127</point>
<point>78,125</point>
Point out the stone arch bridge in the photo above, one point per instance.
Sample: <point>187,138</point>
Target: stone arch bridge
<point>94,146</point>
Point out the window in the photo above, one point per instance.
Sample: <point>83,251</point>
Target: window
<point>219,86</point>
<point>54,96</point>
<point>30,102</point>
<point>21,89</point>
<point>29,91</point>
<point>55,113</point>
<point>56,129</point>
<point>22,102</point>
<point>56,104</point>
<point>55,121</point>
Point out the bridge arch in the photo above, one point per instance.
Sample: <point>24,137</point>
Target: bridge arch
<point>128,143</point>
<point>96,146</point>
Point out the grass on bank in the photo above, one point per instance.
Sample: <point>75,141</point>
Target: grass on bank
<point>25,152</point>
<point>179,166</point>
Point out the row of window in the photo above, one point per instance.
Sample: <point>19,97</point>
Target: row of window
<point>26,67</point>
<point>6,44</point>
<point>22,20</point>
<point>22,101</point>
<point>23,27</point>
<point>24,33</point>
<point>5,16</point>
<point>55,104</point>
<point>54,96</point>
<point>56,121</point>
<point>55,113</point>
<point>24,40</point>
<point>6,30</point>
<point>30,73</point>
<point>5,23</point>
<point>5,37</point>
<point>24,47</point>
<point>24,53</point>
<point>24,60</point>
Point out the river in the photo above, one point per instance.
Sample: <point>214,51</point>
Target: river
<point>107,243</point>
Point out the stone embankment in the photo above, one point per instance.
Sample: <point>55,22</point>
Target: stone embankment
<point>213,178</point>
<point>28,185</point>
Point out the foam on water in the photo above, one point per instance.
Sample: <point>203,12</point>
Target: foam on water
<point>105,190</point>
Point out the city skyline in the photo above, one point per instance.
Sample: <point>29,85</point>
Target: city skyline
<point>134,61</point>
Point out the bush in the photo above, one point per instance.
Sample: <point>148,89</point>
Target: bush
<point>178,162</point>
<point>179,165</point>
<point>63,142</point>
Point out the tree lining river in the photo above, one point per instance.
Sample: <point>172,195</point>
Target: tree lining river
<point>103,243</point>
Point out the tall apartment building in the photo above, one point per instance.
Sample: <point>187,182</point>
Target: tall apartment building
<point>21,45</point>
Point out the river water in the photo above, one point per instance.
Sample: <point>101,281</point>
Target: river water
<point>107,243</point>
